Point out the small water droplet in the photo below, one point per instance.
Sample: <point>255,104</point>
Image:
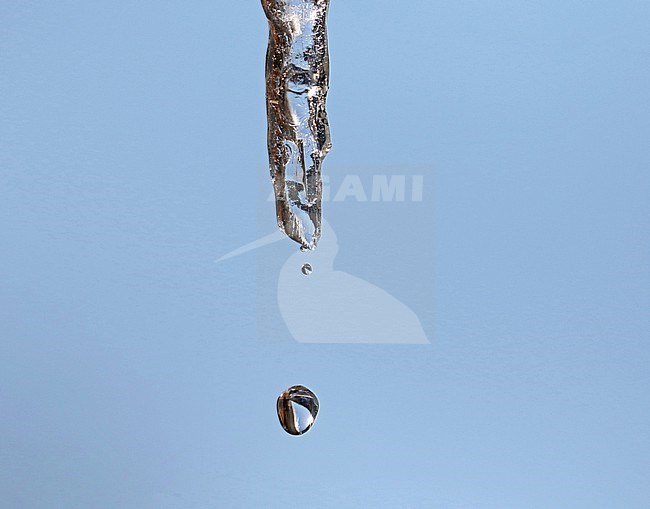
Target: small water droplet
<point>304,249</point>
<point>297,409</point>
<point>307,269</point>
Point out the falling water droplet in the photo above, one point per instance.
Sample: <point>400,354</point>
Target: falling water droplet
<point>307,269</point>
<point>297,409</point>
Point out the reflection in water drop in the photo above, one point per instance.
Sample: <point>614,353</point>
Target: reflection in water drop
<point>307,269</point>
<point>297,409</point>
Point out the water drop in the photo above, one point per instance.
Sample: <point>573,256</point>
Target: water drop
<point>297,409</point>
<point>307,269</point>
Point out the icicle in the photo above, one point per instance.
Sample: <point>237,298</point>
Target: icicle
<point>297,80</point>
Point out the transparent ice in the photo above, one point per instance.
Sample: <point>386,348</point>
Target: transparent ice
<point>297,80</point>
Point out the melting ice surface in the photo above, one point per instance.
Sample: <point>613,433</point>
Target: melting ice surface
<point>297,409</point>
<point>297,80</point>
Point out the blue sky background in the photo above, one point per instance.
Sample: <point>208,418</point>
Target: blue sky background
<point>130,372</point>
